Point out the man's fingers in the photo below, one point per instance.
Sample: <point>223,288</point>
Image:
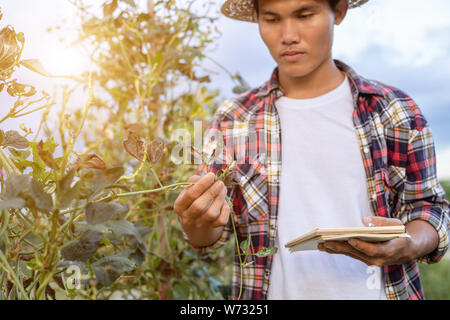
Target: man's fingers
<point>387,249</point>
<point>348,254</point>
<point>223,217</point>
<point>192,179</point>
<point>192,193</point>
<point>345,248</point>
<point>213,211</point>
<point>367,262</point>
<point>202,203</point>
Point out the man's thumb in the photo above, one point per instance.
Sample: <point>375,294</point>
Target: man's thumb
<point>381,221</point>
<point>367,220</point>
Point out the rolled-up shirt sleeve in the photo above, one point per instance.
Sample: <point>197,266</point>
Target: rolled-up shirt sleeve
<point>422,196</point>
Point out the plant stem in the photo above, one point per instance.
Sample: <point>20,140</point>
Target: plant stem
<point>5,215</point>
<point>9,166</point>
<point>40,294</point>
<point>156,176</point>
<point>239,253</point>
<point>5,265</point>
<point>168,188</point>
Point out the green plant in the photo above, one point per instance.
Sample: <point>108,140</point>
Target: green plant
<point>97,222</point>
<point>435,279</point>
<point>435,276</point>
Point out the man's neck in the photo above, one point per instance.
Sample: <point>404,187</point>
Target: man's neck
<point>323,79</point>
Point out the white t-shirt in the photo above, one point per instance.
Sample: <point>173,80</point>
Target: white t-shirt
<point>322,185</point>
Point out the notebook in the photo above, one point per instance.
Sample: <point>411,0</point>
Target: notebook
<point>310,240</point>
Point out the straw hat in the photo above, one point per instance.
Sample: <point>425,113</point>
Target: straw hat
<point>243,10</point>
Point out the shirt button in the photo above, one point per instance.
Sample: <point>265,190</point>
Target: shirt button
<point>242,179</point>
<point>366,150</point>
<point>373,196</point>
<point>276,180</point>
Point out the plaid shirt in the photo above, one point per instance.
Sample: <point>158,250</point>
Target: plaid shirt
<point>399,158</point>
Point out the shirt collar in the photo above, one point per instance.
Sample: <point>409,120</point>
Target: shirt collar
<point>358,84</point>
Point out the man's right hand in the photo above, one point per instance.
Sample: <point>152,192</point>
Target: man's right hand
<point>203,205</point>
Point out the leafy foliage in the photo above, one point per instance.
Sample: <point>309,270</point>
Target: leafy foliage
<point>105,213</point>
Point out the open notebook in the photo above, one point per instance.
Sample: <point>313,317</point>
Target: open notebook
<point>310,240</point>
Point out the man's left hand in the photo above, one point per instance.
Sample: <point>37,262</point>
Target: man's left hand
<point>395,251</point>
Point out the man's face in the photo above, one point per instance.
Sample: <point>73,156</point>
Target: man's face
<point>298,33</point>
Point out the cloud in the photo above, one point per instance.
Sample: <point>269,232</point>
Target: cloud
<point>414,30</point>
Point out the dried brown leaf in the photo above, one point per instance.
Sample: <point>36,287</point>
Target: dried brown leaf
<point>134,127</point>
<point>13,139</point>
<point>134,146</point>
<point>155,150</point>
<point>46,156</point>
<point>153,106</point>
<point>75,165</point>
<point>93,161</point>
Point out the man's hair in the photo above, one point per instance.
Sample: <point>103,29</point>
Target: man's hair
<point>332,4</point>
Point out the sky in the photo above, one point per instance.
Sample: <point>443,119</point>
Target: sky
<point>404,43</point>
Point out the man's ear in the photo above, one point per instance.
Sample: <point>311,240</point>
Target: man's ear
<point>341,11</point>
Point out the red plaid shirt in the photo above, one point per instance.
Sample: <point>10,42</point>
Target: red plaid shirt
<point>398,153</point>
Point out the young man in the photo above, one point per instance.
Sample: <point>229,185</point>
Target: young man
<point>334,150</point>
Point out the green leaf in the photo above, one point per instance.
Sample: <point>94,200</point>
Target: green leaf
<point>82,249</point>
<point>95,227</point>
<point>36,66</point>
<point>124,253</point>
<point>264,252</point>
<point>124,228</point>
<point>99,212</point>
<point>106,241</point>
<point>65,199</point>
<point>143,230</point>
<point>19,155</point>
<point>113,239</point>
<point>139,255</point>
<point>65,183</point>
<point>42,199</point>
<point>38,164</point>
<point>181,291</point>
<point>109,269</point>
<point>245,245</point>
<point>64,193</point>
<point>103,179</point>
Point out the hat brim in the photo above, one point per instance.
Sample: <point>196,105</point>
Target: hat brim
<point>243,10</point>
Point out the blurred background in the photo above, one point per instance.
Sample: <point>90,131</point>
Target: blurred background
<point>404,43</point>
